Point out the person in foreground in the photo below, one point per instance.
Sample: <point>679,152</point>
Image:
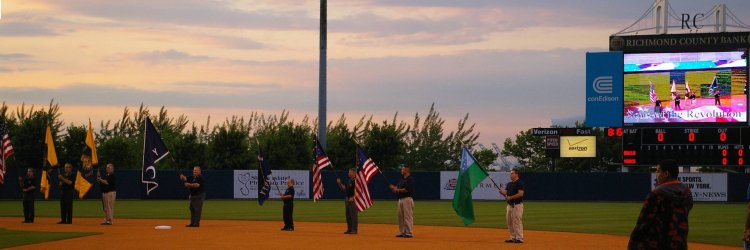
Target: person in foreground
<point>28,187</point>
<point>663,221</point>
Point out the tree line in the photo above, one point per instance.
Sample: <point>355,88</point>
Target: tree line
<point>424,143</point>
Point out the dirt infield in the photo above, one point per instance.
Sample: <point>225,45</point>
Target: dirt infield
<point>233,234</point>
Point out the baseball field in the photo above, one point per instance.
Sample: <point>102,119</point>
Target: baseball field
<point>235,223</point>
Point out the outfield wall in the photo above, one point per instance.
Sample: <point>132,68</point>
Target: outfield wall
<point>223,184</point>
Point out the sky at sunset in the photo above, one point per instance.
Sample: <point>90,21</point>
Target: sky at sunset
<point>511,65</point>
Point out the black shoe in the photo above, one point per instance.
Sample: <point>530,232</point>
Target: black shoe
<point>197,225</point>
<point>510,241</point>
<point>69,222</point>
<point>408,236</point>
<point>190,225</point>
<point>517,241</point>
<point>349,232</point>
<point>61,222</point>
<point>400,235</point>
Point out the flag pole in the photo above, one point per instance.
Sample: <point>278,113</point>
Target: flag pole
<point>463,146</point>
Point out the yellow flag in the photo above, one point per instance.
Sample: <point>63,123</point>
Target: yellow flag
<point>89,156</point>
<point>82,185</point>
<point>51,154</point>
<point>44,185</point>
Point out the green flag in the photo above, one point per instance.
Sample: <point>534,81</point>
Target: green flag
<point>469,176</point>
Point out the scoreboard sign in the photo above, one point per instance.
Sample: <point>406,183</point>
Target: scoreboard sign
<point>688,146</point>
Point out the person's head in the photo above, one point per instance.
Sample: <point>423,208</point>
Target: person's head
<point>290,182</point>
<point>352,173</point>
<point>197,170</point>
<point>30,172</point>
<point>110,168</point>
<point>667,170</point>
<point>405,170</point>
<point>68,167</point>
<point>514,174</point>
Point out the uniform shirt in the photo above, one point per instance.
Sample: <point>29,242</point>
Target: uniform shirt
<point>112,180</point>
<point>290,201</point>
<point>350,189</point>
<point>408,184</point>
<point>512,188</point>
<point>68,187</point>
<point>199,180</point>
<point>27,183</point>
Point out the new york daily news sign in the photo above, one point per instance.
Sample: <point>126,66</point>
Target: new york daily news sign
<point>484,191</point>
<point>705,186</point>
<point>246,183</point>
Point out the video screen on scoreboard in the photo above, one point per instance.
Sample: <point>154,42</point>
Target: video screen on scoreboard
<point>692,87</point>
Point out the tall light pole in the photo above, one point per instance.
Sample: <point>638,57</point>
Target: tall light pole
<point>322,75</point>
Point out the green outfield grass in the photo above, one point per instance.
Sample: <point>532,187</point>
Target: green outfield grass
<point>12,238</point>
<point>709,223</point>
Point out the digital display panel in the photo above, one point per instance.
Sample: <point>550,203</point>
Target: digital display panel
<point>685,88</point>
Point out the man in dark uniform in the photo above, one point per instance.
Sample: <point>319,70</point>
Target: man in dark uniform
<point>663,221</point>
<point>67,192</point>
<point>197,195</point>
<point>513,193</point>
<point>288,198</point>
<point>405,191</point>
<point>717,98</point>
<point>351,208</point>
<point>28,187</point>
<point>107,185</point>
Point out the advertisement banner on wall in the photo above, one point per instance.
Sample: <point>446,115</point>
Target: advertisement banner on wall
<point>484,191</point>
<point>705,186</point>
<point>246,183</point>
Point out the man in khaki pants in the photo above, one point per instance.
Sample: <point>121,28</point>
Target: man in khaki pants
<point>107,184</point>
<point>405,191</point>
<point>514,210</point>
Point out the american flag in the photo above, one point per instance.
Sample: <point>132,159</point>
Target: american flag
<point>366,169</point>
<point>6,150</point>
<point>713,88</point>
<point>320,161</point>
<point>652,93</point>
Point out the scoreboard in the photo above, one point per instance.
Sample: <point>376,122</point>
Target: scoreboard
<point>704,146</point>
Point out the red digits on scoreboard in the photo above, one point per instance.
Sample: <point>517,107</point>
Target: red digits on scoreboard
<point>691,137</point>
<point>610,132</point>
<point>660,137</point>
<point>619,132</point>
<point>723,136</point>
<point>740,153</point>
<point>723,161</point>
<point>723,153</point>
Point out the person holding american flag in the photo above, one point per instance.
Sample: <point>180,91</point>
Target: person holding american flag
<point>351,207</point>
<point>405,192</point>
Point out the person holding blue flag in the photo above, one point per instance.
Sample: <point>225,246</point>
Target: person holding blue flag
<point>197,195</point>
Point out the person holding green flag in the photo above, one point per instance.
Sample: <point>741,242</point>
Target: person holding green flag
<point>469,176</point>
<point>514,210</point>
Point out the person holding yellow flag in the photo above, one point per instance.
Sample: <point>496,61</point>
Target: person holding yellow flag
<point>89,159</point>
<point>66,180</point>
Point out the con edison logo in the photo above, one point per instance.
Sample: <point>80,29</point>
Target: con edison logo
<point>603,85</point>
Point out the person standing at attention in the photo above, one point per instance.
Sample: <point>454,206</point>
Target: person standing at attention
<point>288,210</point>
<point>513,193</point>
<point>109,194</point>
<point>28,187</point>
